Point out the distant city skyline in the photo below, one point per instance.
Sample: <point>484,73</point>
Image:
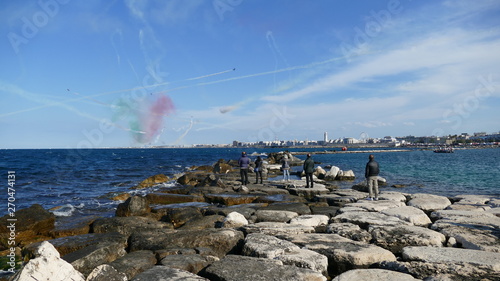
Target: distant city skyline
<point>141,73</point>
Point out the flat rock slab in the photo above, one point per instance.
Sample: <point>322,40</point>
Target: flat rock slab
<point>237,268</point>
<point>274,215</point>
<point>395,238</point>
<point>220,240</point>
<point>134,263</point>
<point>193,263</point>
<point>343,254</point>
<point>170,198</point>
<point>410,214</point>
<point>310,220</point>
<point>374,274</point>
<point>164,273</point>
<point>66,245</point>
<point>127,225</point>
<point>393,196</point>
<point>455,263</point>
<point>276,228</point>
<point>88,258</point>
<point>230,199</point>
<point>106,272</point>
<point>364,219</point>
<point>350,231</point>
<point>299,208</point>
<point>428,202</point>
<point>376,206</point>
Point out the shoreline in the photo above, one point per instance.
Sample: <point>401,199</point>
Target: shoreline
<point>211,218</point>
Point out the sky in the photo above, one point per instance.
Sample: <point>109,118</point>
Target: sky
<point>140,73</point>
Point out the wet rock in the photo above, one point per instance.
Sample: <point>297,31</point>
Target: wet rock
<point>127,225</point>
<point>134,263</point>
<point>134,206</point>
<point>395,238</point>
<point>350,231</point>
<point>164,273</point>
<point>456,263</point>
<point>230,199</point>
<point>234,220</point>
<point>152,181</point>
<point>220,240</point>
<point>274,216</point>
<point>428,202</point>
<point>193,263</point>
<point>374,274</point>
<point>410,214</point>
<point>168,198</point>
<point>31,222</point>
<point>47,265</point>
<point>106,272</point>
<point>258,269</point>
<point>88,258</point>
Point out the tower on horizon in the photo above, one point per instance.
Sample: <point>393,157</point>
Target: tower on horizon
<point>325,138</point>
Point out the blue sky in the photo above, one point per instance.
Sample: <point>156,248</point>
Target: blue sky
<point>86,73</point>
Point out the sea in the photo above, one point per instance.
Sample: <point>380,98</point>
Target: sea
<point>81,182</point>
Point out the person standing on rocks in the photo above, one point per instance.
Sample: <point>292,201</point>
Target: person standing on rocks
<point>285,166</point>
<point>308,170</point>
<point>371,174</point>
<point>258,170</point>
<point>243,163</point>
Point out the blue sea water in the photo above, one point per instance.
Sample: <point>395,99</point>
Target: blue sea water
<point>83,181</point>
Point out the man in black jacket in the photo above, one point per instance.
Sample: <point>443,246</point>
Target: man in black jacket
<point>371,174</point>
<point>308,170</point>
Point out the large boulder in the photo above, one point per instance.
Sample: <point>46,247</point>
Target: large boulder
<point>364,219</point>
<point>331,175</point>
<point>410,214</point>
<point>88,258</point>
<point>237,268</point>
<point>266,246</point>
<point>230,199</point>
<point>311,220</point>
<point>134,263</point>
<point>319,172</point>
<point>169,198</point>
<point>127,225</point>
<point>470,229</point>
<point>374,274</point>
<point>234,220</point>
<point>428,202</point>
<point>346,175</point>
<point>30,223</point>
<point>221,240</point>
<point>376,206</point>
<point>193,263</point>
<point>152,181</point>
<point>274,216</point>
<point>395,238</point>
<point>47,265</point>
<point>134,206</point>
<point>447,263</point>
<point>350,231</point>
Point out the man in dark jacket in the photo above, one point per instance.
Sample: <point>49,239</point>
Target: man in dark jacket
<point>308,170</point>
<point>243,163</point>
<point>371,174</point>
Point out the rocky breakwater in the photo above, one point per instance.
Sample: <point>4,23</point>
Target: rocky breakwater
<point>210,228</point>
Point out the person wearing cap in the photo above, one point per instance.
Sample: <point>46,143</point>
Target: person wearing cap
<point>308,170</point>
<point>243,163</point>
<point>371,174</point>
